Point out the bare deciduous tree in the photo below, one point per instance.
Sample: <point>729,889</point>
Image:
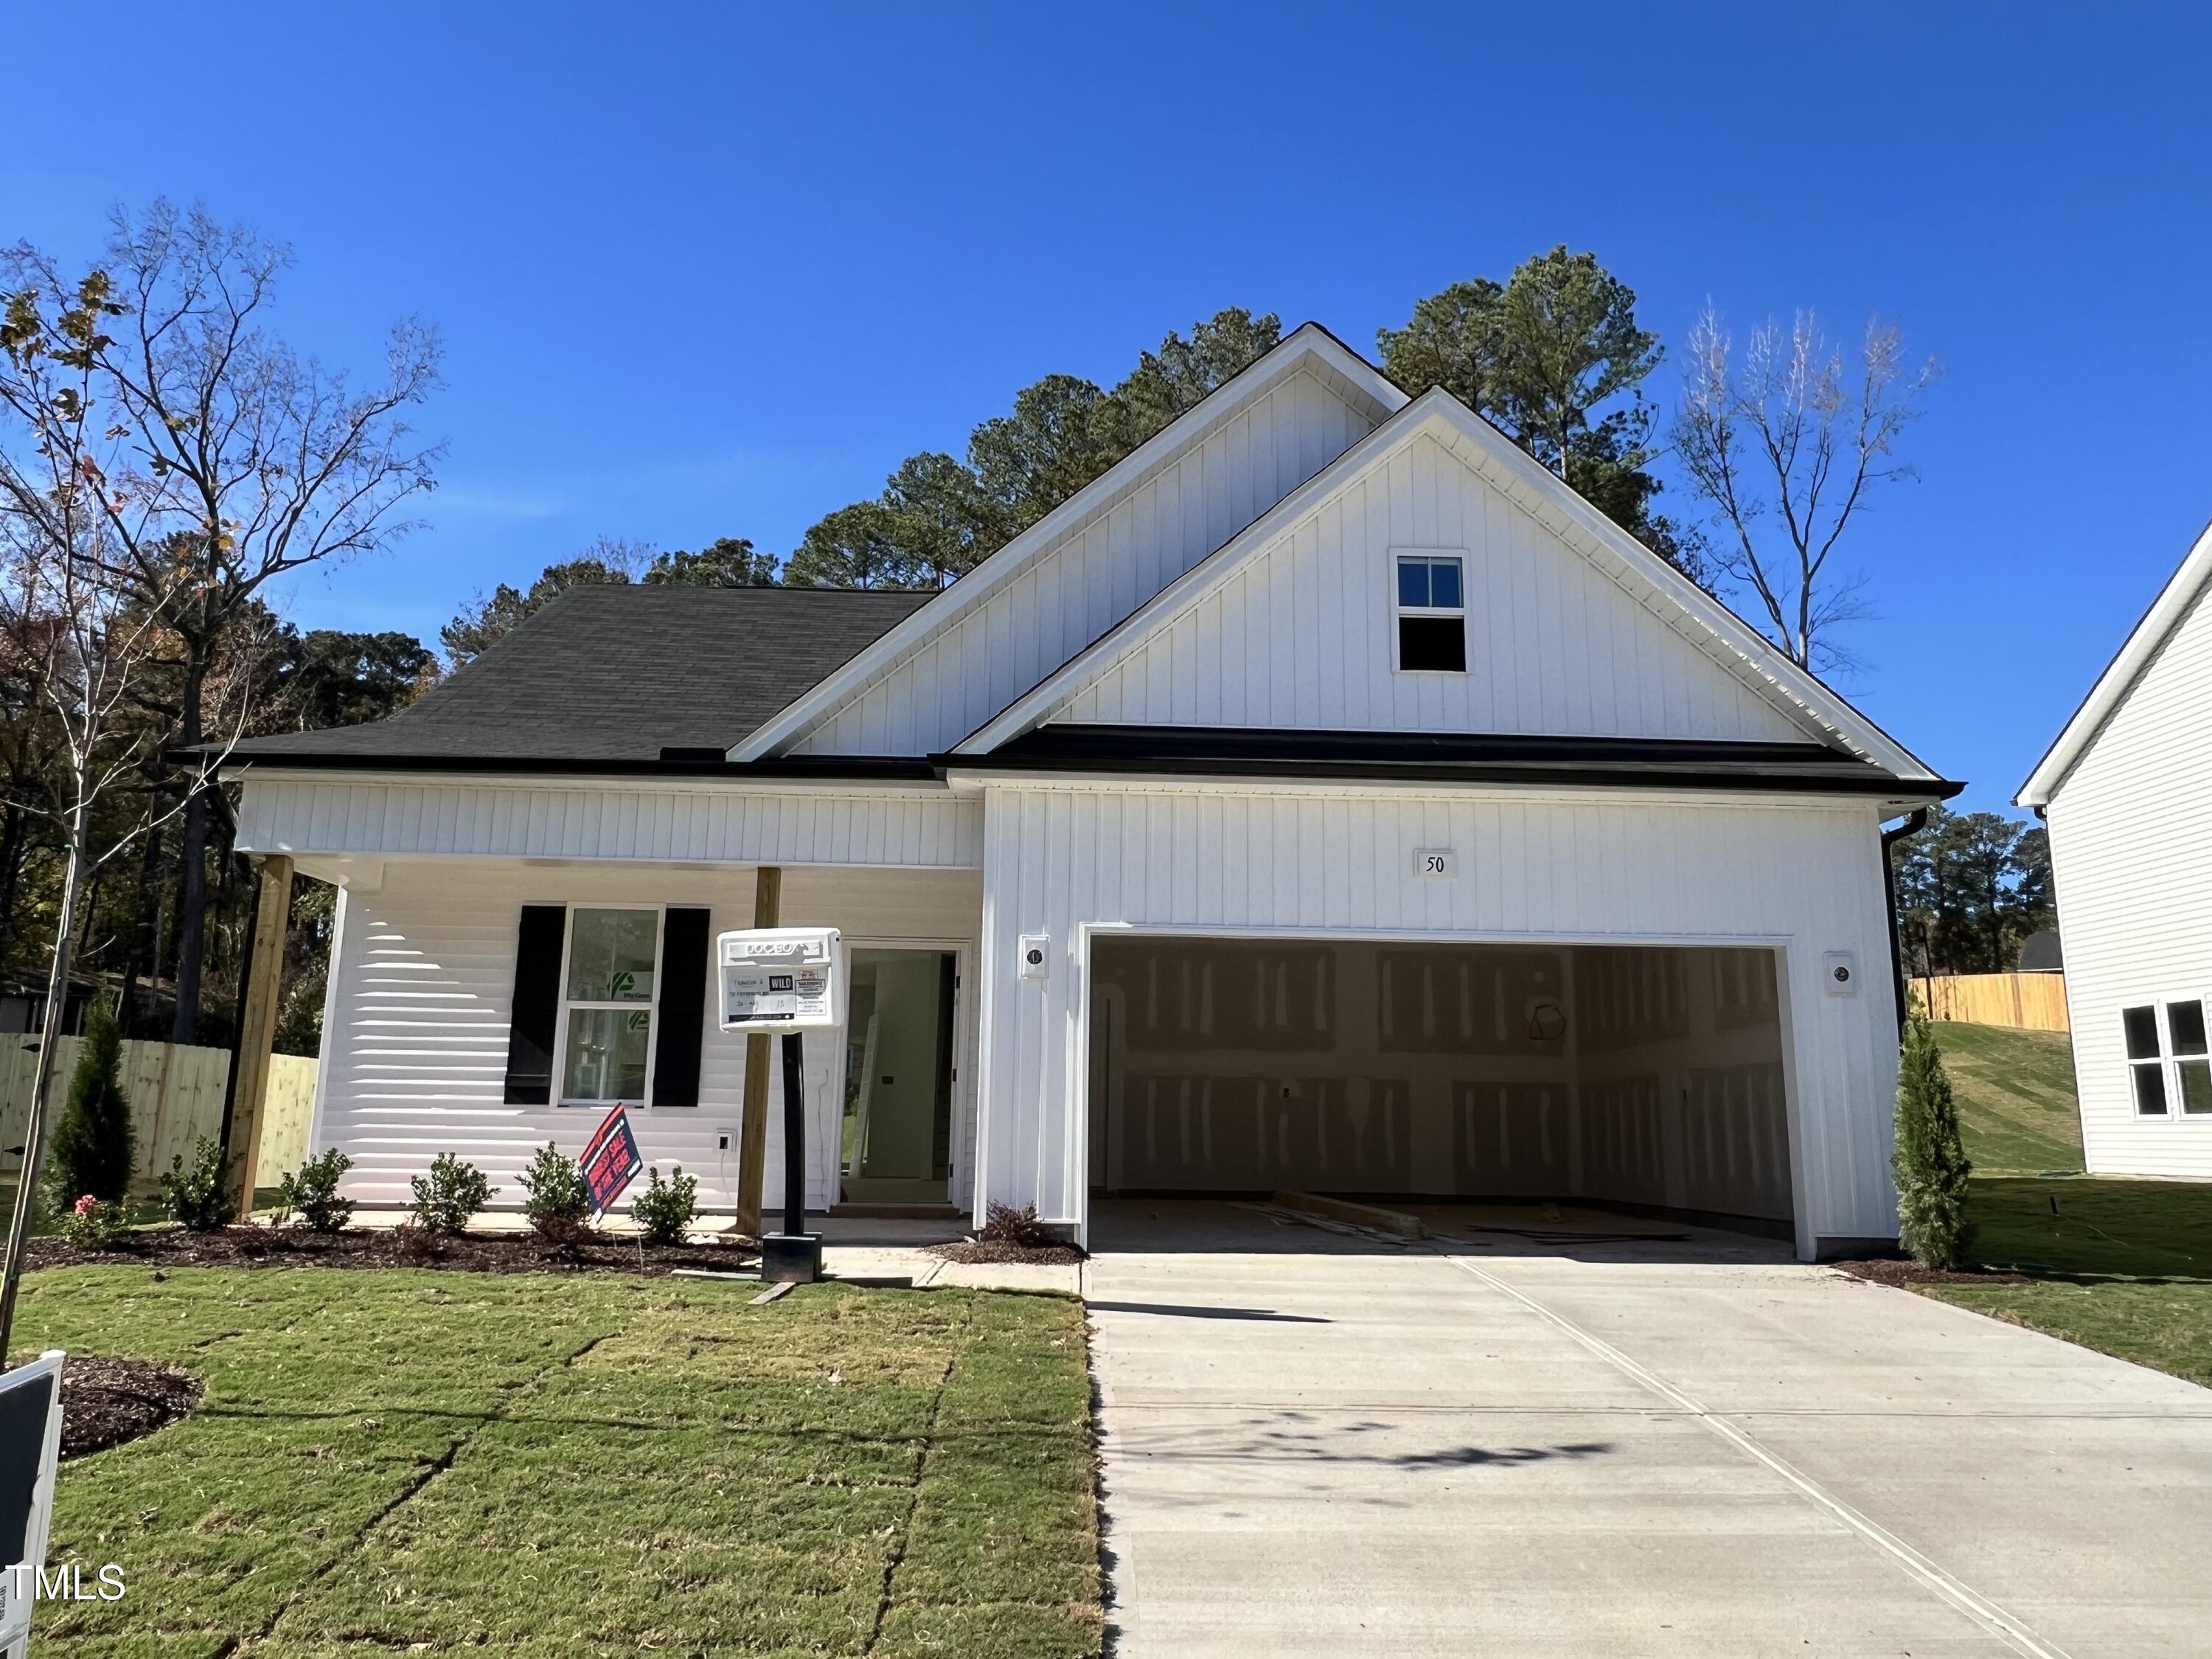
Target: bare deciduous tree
<point>1785,449</point>
<point>85,593</point>
<point>233,460</point>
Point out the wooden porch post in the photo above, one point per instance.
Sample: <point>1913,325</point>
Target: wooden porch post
<point>245,1111</point>
<point>753,1138</point>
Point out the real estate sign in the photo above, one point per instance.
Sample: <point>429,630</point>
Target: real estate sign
<point>779,979</point>
<point>610,1162</point>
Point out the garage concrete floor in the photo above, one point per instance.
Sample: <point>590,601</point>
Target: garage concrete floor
<point>1317,1444</point>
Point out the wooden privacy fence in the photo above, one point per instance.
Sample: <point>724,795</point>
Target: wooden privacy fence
<point>176,1096</point>
<point>2034,1002</point>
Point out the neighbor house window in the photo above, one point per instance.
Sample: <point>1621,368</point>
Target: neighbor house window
<point>2183,1049</point>
<point>609,992</point>
<point>2146,1064</point>
<point>2192,1061</point>
<point>1432,615</point>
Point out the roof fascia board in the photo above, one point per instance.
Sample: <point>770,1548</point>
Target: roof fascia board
<point>2113,687</point>
<point>626,782</point>
<point>1790,689</point>
<point>1308,346</point>
<point>981,780</point>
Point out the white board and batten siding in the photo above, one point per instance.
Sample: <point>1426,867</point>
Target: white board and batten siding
<point>927,700</point>
<point>1803,877</point>
<point>626,819</point>
<point>1301,634</point>
<point>415,1035</point>
<point>2131,850</point>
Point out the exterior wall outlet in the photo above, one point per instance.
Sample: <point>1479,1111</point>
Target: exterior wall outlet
<point>1035,955</point>
<point>725,1140</point>
<point>1839,973</point>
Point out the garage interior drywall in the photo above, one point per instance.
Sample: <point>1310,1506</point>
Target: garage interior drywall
<point>1643,1076</point>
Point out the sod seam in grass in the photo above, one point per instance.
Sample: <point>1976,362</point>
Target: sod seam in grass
<point>521,1464</point>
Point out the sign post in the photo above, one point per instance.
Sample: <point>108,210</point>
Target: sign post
<point>30,1447</point>
<point>787,979</point>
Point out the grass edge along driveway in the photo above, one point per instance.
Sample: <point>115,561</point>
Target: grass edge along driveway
<point>537,1465</point>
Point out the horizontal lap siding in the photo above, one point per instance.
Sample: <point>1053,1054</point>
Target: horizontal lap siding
<point>1808,877</point>
<point>909,830</point>
<point>1097,574</point>
<point>415,1043</point>
<point>2131,848</point>
<point>1302,634</point>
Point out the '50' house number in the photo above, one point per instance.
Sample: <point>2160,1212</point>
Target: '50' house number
<point>1435,863</point>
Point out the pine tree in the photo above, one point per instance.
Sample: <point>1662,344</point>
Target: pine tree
<point>1930,1161</point>
<point>94,1143</point>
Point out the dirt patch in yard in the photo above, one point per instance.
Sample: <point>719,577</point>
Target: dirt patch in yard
<point>387,1247</point>
<point>105,1402</point>
<point>972,1250</point>
<point>1911,1275</point>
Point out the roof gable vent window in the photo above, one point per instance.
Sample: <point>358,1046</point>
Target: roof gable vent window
<point>1432,615</point>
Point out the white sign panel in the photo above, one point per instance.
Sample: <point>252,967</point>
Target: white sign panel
<point>1436,863</point>
<point>30,1447</point>
<point>779,979</point>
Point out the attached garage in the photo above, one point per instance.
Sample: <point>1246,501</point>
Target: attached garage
<point>1650,1078</point>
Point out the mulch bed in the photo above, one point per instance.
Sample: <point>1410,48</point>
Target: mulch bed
<point>981,1250</point>
<point>1906,1274</point>
<point>385,1247</point>
<point>105,1402</point>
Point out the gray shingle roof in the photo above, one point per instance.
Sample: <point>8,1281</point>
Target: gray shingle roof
<point>619,673</point>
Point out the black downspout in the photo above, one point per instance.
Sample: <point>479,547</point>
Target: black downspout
<point>1911,826</point>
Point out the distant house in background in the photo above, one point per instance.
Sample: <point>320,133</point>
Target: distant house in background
<point>2040,953</point>
<point>2127,793</point>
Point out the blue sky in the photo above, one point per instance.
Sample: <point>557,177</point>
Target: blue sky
<point>713,270</point>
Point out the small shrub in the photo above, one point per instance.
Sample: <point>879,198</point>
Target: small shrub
<point>92,1142</point>
<point>92,1224</point>
<point>312,1193</point>
<point>1004,1224</point>
<point>1930,1161</point>
<point>195,1195</point>
<point>664,1210</point>
<point>559,1205</point>
<point>448,1197</point>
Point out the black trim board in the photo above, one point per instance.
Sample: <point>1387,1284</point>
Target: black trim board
<point>1482,757</point>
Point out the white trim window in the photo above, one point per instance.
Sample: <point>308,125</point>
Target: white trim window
<point>2168,1058</point>
<point>610,1000</point>
<point>1431,605</point>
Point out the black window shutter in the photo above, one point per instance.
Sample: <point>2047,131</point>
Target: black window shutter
<point>683,1008</point>
<point>537,1005</point>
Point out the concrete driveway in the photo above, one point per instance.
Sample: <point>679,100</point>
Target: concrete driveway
<point>1316,1445</point>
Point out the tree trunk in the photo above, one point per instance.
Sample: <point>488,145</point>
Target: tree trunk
<point>145,916</point>
<point>26,1184</point>
<point>13,822</point>
<point>191,889</point>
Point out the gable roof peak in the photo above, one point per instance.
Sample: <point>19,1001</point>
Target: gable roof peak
<point>2121,675</point>
<point>1306,348</point>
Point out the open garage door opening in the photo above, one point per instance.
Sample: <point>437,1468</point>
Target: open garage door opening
<point>1645,1079</point>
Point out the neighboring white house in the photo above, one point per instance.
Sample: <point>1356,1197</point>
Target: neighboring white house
<point>1380,817</point>
<point>2127,793</point>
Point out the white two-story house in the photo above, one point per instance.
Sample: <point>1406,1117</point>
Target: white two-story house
<point>1325,798</point>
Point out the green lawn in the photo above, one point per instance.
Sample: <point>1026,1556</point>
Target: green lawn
<point>2015,1094</point>
<point>538,1464</point>
<point>2123,1267</point>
